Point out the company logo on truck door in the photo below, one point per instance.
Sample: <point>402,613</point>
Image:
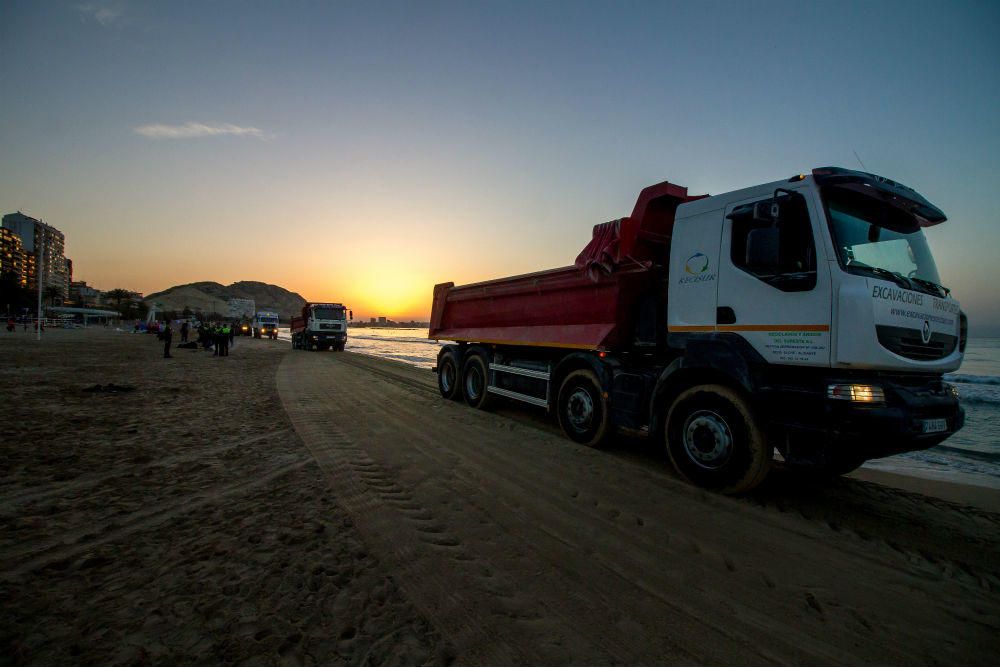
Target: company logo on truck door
<point>696,265</point>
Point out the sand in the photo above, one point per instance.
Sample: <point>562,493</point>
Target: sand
<point>182,522</point>
<point>282,507</point>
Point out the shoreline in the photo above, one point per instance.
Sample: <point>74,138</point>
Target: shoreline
<point>963,493</point>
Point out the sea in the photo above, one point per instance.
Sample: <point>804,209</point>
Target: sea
<point>971,456</point>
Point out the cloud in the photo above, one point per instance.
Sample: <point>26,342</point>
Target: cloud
<point>192,130</point>
<point>104,13</point>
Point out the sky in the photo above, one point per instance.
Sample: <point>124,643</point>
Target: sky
<point>362,152</point>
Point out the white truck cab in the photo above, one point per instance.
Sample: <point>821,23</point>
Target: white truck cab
<point>825,289</point>
<point>265,324</point>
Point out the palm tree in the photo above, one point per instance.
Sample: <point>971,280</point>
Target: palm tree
<point>119,295</point>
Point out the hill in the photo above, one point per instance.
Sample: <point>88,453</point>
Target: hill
<point>210,297</point>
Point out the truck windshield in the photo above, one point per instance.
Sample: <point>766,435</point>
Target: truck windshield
<point>328,313</point>
<point>874,238</point>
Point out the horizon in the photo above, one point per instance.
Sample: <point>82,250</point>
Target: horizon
<point>362,155</point>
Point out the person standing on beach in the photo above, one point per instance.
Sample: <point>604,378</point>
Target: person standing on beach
<point>184,332</point>
<point>168,337</point>
<point>11,322</point>
<point>224,339</point>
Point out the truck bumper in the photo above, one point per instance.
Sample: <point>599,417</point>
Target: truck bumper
<point>326,337</point>
<point>814,429</point>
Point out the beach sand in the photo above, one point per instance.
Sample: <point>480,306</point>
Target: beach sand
<point>182,522</point>
<point>280,507</point>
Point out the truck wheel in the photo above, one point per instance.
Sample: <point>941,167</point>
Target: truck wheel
<point>447,376</point>
<point>714,440</point>
<point>583,410</point>
<point>475,378</point>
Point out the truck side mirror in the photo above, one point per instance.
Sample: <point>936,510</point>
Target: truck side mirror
<point>762,249</point>
<point>351,313</point>
<point>768,210</point>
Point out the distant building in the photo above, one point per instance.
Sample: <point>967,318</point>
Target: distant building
<point>382,320</point>
<point>38,238</point>
<point>373,321</point>
<point>13,259</point>
<point>85,296</point>
<point>241,309</point>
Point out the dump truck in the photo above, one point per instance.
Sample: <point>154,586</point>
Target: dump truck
<point>265,324</point>
<point>804,316</point>
<point>320,326</point>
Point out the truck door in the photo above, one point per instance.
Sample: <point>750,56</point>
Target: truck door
<point>774,282</point>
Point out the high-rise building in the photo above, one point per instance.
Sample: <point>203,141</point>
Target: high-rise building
<point>40,239</point>
<point>13,259</point>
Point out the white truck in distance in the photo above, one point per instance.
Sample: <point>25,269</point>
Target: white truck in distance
<point>321,326</point>
<point>265,324</point>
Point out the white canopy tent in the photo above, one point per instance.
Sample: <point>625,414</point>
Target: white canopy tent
<point>87,313</point>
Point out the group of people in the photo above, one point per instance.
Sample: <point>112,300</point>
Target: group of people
<point>215,336</point>
<point>25,321</point>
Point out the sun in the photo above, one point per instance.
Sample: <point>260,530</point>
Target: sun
<point>392,290</point>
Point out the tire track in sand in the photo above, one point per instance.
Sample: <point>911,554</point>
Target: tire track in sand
<point>562,615</point>
<point>425,559</point>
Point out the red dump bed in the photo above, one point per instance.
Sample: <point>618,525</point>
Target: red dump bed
<point>589,305</point>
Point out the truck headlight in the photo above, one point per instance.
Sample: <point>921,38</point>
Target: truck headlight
<point>952,390</point>
<point>857,393</point>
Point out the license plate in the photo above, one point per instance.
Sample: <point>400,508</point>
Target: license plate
<point>933,425</point>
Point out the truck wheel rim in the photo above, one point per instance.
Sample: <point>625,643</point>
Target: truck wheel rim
<point>447,377</point>
<point>707,439</point>
<point>473,383</point>
<point>580,409</point>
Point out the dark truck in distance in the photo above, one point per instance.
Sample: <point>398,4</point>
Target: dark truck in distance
<point>321,326</point>
<point>804,315</point>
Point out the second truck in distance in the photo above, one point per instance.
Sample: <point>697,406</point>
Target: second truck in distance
<point>321,326</point>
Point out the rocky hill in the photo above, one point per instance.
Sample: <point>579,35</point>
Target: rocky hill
<point>210,297</point>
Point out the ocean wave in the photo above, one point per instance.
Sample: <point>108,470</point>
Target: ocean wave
<point>387,339</point>
<point>991,457</point>
<point>973,379</point>
<point>979,399</point>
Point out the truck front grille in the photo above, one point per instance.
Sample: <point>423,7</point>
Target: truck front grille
<point>908,343</point>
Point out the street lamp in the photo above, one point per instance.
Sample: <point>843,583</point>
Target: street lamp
<point>38,275</point>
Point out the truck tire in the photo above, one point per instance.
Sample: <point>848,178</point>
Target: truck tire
<point>715,441</point>
<point>583,409</point>
<point>447,376</point>
<point>475,379</point>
